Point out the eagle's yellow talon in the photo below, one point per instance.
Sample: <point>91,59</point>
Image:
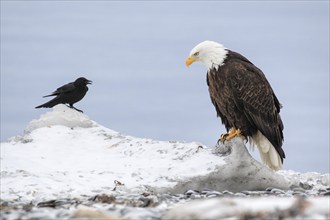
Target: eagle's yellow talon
<point>230,135</point>
<point>222,138</point>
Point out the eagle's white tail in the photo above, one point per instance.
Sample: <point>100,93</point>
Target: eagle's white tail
<point>268,153</point>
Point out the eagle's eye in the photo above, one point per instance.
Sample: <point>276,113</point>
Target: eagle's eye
<point>196,54</point>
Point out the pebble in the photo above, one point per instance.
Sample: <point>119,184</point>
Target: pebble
<point>149,201</point>
<point>191,192</point>
<point>246,192</point>
<point>226,192</point>
<point>305,186</point>
<point>277,191</point>
<point>196,196</point>
<point>325,193</point>
<point>240,195</point>
<point>269,189</point>
<point>299,194</point>
<point>288,193</point>
<point>213,194</point>
<point>298,189</point>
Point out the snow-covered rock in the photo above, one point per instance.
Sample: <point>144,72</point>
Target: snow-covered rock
<point>240,172</point>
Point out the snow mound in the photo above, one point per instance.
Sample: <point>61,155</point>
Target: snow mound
<point>64,154</point>
<point>61,115</point>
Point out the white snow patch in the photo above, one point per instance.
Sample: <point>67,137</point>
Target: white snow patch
<point>66,154</point>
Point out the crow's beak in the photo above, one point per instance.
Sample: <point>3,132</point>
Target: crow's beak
<point>89,82</point>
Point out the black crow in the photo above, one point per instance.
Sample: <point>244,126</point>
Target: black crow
<point>68,94</point>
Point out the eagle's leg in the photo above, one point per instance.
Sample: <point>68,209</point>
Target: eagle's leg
<point>224,137</point>
<point>236,133</point>
<point>232,133</point>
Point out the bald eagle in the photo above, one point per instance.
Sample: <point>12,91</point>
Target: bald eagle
<point>243,99</point>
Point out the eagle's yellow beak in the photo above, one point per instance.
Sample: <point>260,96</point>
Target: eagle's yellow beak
<point>190,60</point>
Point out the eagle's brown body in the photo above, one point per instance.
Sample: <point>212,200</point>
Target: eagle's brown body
<point>244,99</point>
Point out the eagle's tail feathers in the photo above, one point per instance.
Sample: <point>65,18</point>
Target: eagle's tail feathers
<point>267,151</point>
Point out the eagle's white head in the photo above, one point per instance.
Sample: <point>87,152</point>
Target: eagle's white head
<point>209,53</point>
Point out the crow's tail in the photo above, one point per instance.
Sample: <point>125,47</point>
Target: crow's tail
<point>49,104</point>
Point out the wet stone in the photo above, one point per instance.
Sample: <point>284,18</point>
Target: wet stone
<point>191,192</point>
<point>312,192</point>
<point>195,196</point>
<point>288,193</point>
<point>277,191</point>
<point>299,194</point>
<point>50,203</point>
<point>246,192</point>
<point>269,189</point>
<point>28,207</point>
<point>240,195</point>
<point>226,192</point>
<point>104,198</point>
<point>305,186</point>
<point>325,193</point>
<point>149,201</point>
<point>298,189</point>
<point>213,194</point>
<point>259,193</point>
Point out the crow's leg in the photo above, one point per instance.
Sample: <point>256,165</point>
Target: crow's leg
<point>71,106</point>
